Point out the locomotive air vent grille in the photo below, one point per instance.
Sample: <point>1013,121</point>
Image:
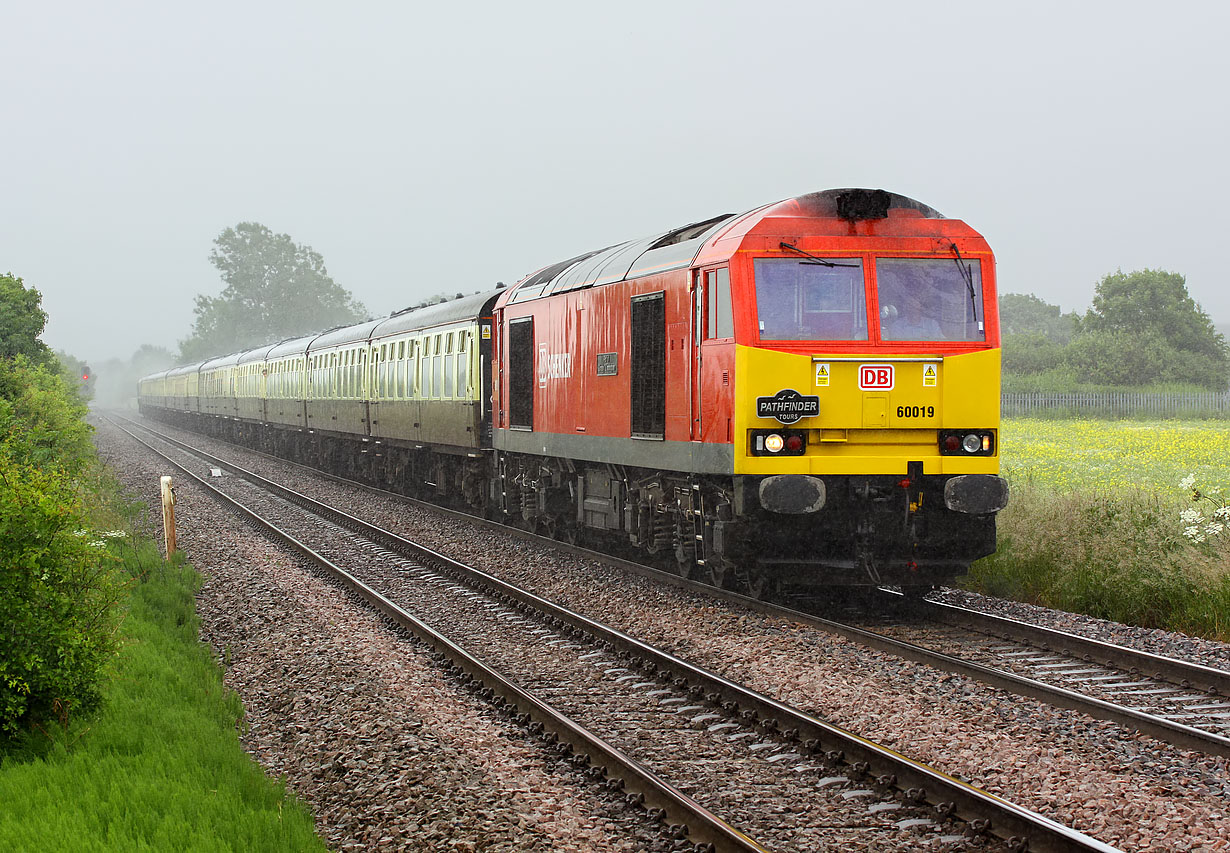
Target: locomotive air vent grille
<point>725,377</point>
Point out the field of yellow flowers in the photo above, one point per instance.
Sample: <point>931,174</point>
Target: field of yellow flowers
<point>1124,520</point>
<point>1084,455</point>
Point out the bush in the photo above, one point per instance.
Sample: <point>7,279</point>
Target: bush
<point>57,601</point>
<point>42,419</point>
<point>58,588</point>
<point>1116,555</point>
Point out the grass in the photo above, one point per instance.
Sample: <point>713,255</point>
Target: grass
<point>1093,522</point>
<point>161,767</point>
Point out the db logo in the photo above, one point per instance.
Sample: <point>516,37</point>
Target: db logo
<point>875,377</point>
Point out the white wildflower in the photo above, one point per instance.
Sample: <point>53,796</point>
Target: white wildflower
<point>1191,516</point>
<point>1191,532</point>
<point>1222,512</point>
<point>1214,528</point>
<point>1188,482</point>
<point>115,534</point>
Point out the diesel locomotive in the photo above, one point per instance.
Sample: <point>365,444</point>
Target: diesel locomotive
<point>805,394</point>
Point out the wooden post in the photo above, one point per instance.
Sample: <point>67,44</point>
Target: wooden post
<point>168,515</point>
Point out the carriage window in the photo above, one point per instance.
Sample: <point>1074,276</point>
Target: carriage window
<point>930,299</point>
<point>807,300</point>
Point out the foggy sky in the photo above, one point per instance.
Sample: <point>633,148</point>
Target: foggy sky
<point>426,148</point>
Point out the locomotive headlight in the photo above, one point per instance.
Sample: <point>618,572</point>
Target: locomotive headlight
<point>774,443</point>
<point>959,442</point>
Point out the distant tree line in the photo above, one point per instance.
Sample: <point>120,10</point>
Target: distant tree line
<point>1143,329</point>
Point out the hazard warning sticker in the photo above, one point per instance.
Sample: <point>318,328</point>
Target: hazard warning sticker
<point>822,375</point>
<point>930,376</point>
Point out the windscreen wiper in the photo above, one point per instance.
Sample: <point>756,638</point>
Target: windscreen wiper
<point>968,275</point>
<point>821,261</point>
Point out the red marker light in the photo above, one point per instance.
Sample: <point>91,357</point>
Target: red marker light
<point>794,443</point>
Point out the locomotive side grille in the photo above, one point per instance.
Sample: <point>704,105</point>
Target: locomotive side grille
<point>649,366</point>
<point>521,373</point>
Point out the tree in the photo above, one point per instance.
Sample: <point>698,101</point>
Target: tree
<point>275,289</point>
<point>1144,328</point>
<point>1035,334</point>
<point>22,320</point>
<point>1026,314</point>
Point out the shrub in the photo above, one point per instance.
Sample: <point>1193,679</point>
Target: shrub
<point>42,419</point>
<point>1117,555</point>
<point>57,601</point>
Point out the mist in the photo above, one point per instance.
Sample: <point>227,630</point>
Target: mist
<point>437,149</point>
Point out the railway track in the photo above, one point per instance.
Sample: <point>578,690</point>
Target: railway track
<point>1177,701</point>
<point>639,715</point>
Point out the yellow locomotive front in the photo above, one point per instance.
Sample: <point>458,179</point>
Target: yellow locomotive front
<point>867,389</point>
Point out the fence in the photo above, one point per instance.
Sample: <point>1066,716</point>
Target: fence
<point>1116,404</point>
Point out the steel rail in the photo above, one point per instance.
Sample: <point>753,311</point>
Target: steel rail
<point>1021,828</point>
<point>1182,673</point>
<point>703,827</point>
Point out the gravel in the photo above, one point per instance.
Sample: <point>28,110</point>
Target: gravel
<point>1120,787</point>
<point>359,721</point>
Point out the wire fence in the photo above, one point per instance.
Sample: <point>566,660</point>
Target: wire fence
<point>1116,404</point>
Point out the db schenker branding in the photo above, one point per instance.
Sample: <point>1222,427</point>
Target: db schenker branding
<point>875,377</point>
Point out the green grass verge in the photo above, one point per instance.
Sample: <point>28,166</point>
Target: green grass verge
<point>161,767</point>
<point>1093,523</point>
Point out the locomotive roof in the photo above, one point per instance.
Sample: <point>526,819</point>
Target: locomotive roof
<point>679,247</point>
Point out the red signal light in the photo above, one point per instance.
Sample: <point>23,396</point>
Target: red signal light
<point>85,376</point>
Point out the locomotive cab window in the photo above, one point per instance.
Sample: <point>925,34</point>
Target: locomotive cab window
<point>930,299</point>
<point>721,318</point>
<point>810,300</point>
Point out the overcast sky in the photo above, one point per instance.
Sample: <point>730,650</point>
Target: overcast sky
<point>425,148</point>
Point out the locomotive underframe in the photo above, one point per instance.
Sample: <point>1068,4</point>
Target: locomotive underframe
<point>869,531</point>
